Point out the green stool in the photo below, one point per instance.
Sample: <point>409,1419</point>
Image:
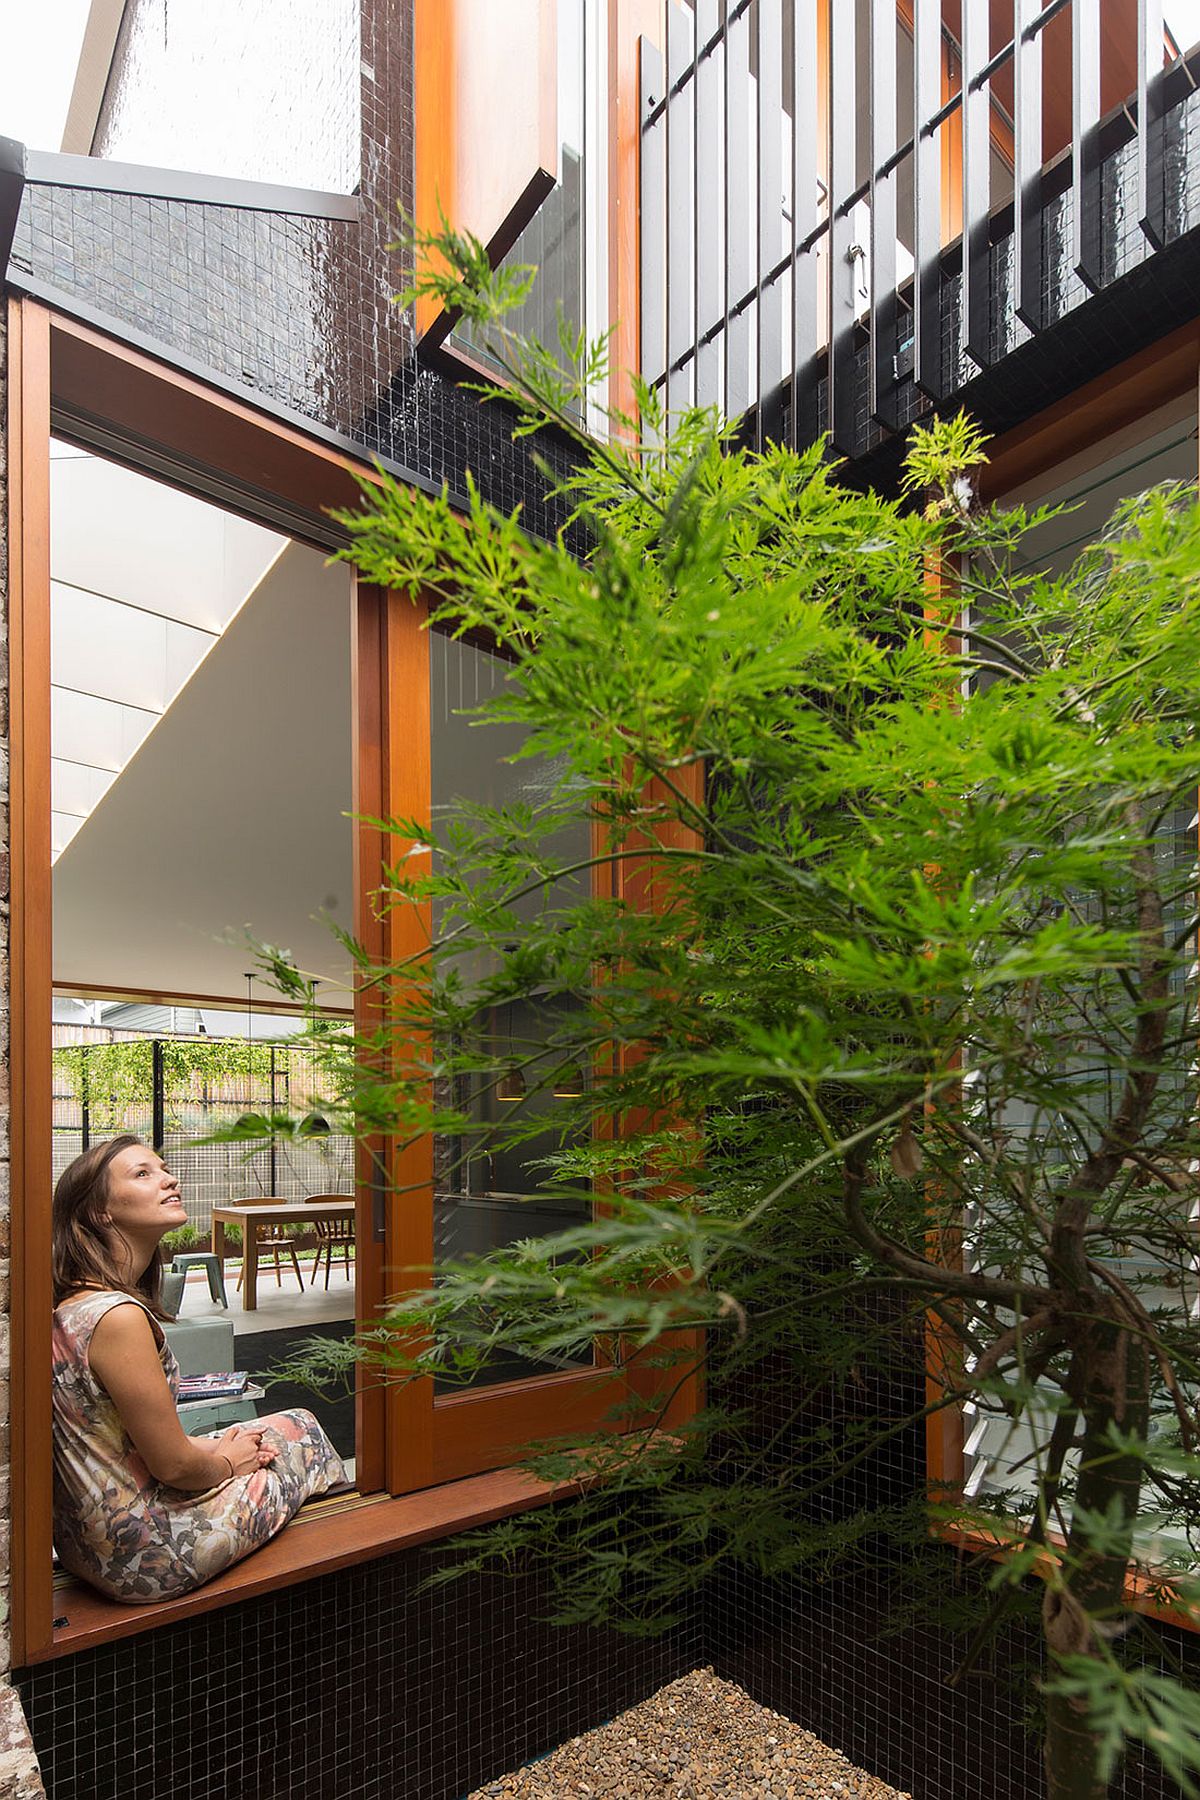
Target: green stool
<point>212,1268</point>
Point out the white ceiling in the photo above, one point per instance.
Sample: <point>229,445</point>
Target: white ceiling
<point>231,812</point>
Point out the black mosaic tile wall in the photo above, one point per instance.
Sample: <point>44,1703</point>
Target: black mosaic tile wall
<point>355,1686</point>
<point>830,1657</point>
<point>843,1656</point>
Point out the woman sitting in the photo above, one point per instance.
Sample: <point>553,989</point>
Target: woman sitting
<point>141,1510</point>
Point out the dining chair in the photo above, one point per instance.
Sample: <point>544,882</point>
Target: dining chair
<point>332,1234</point>
<point>275,1239</point>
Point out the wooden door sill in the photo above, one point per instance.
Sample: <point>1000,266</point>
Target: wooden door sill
<point>322,1538</point>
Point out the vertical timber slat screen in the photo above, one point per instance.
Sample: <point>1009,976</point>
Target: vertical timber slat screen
<point>793,209</point>
<point>1085,141</point>
<point>1151,200</point>
<point>1027,173</point>
<point>976,184</point>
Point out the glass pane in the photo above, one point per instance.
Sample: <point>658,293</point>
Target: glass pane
<point>201,781</point>
<point>238,88</point>
<point>1002,1455</point>
<point>487,1195</point>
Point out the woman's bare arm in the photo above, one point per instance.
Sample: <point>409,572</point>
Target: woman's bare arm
<point>125,1361</point>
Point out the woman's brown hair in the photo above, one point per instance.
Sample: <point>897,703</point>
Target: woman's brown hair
<point>82,1252</point>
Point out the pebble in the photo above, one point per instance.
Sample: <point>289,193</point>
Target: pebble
<point>698,1737</point>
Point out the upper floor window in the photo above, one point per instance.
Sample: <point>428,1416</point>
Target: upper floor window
<point>237,88</point>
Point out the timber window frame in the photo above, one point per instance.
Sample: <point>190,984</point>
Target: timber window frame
<point>178,421</point>
<point>100,392</point>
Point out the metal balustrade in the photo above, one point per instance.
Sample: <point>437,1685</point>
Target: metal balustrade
<point>770,254</point>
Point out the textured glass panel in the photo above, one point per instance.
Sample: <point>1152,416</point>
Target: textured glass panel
<point>243,88</point>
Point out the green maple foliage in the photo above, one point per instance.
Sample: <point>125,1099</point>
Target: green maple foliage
<point>919,964</point>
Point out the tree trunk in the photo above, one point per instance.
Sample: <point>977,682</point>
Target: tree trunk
<point>1116,1383</point>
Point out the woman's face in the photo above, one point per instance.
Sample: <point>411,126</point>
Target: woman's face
<point>143,1198</point>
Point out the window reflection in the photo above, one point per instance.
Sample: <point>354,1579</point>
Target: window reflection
<point>488,1194</point>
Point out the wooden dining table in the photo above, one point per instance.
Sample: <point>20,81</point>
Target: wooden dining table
<point>253,1214</point>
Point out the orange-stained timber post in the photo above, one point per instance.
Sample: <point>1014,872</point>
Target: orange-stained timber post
<point>28,440</point>
<point>629,22</point>
<point>643,886</point>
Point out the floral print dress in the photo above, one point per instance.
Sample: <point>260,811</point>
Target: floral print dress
<point>131,1536</point>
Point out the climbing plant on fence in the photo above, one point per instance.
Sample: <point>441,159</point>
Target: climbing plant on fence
<point>114,1080</point>
<point>111,1080</point>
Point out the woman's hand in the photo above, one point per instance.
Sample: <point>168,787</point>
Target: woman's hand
<point>124,1357</point>
<point>243,1449</point>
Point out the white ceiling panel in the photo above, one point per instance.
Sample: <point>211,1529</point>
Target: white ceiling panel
<point>86,729</point>
<point>63,827</point>
<point>77,787</point>
<point>117,652</point>
<point>232,814</point>
<point>131,538</point>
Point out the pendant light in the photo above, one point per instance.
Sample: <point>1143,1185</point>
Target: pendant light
<point>511,1088</point>
<point>568,1083</point>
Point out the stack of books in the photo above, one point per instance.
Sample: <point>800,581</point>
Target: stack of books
<point>227,1385</point>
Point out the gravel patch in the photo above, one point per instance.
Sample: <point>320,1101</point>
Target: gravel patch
<point>697,1737</point>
